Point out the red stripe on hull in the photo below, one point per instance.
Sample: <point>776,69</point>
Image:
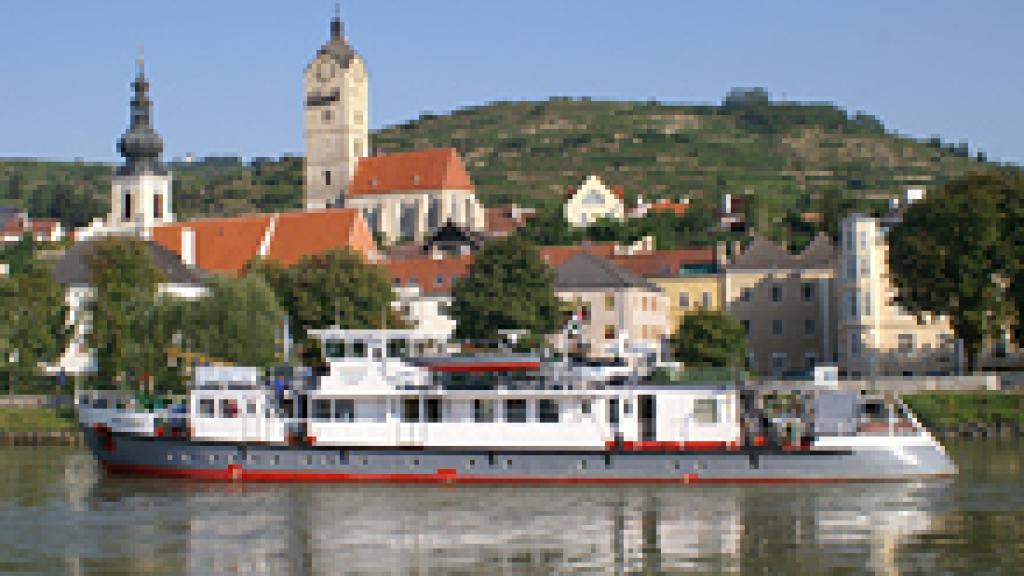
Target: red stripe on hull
<point>451,476</point>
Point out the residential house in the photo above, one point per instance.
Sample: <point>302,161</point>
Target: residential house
<point>691,278</point>
<point>73,273</point>
<point>877,337</point>
<point>423,288</point>
<point>15,224</point>
<point>621,312</point>
<point>503,221</point>
<point>409,195</point>
<point>785,303</point>
<point>592,201</point>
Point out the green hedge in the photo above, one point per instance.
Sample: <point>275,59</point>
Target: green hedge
<point>951,408</point>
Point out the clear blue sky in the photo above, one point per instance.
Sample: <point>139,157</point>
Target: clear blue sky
<point>226,75</point>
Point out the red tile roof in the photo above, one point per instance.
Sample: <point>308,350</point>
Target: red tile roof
<point>221,244</point>
<point>664,205</point>
<point>664,263</point>
<point>226,245</point>
<point>503,220</point>
<point>432,276</point>
<point>554,256</point>
<point>299,234</point>
<point>434,169</point>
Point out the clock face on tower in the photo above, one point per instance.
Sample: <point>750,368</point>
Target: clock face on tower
<point>324,70</point>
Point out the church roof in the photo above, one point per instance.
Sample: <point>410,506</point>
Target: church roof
<point>337,47</point>
<point>298,234</point>
<point>433,169</point>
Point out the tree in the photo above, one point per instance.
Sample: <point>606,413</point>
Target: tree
<point>333,288</point>
<point>238,321</point>
<point>507,287</point>
<point>32,320</point>
<point>956,253</point>
<point>130,329</point>
<point>708,338</point>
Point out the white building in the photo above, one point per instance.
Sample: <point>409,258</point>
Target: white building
<point>592,201</point>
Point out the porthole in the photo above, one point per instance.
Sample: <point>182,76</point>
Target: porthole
<point>308,460</point>
<point>414,462</point>
<point>582,465</point>
<point>254,459</point>
<point>212,458</point>
<point>508,463</point>
<point>276,460</point>
<point>365,460</point>
<point>184,458</point>
<point>325,460</point>
<point>470,463</point>
<point>170,457</point>
<point>676,465</point>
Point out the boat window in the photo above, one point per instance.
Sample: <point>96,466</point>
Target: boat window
<point>397,348</point>
<point>229,408</point>
<point>585,406</point>
<point>515,410</point>
<point>613,411</point>
<point>334,349</point>
<point>547,409</point>
<point>410,410</point>
<point>705,411</point>
<point>251,407</point>
<point>206,407</point>
<point>627,407</point>
<point>483,410</point>
<point>344,410</point>
<point>433,409</point>
<point>322,410</point>
<point>359,349</point>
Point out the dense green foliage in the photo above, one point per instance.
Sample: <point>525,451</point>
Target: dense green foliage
<point>238,321</point>
<point>32,321</point>
<point>709,338</point>
<point>790,156</point>
<point>951,408</point>
<point>336,288</point>
<point>38,419</point>
<point>959,252</point>
<point>131,328</point>
<point>508,287</point>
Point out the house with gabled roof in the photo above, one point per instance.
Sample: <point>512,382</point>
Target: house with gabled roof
<point>784,301</point>
<point>594,200</point>
<point>409,195</point>
<point>617,312</point>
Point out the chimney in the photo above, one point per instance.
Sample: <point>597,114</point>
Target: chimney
<point>721,254</point>
<point>727,203</point>
<point>188,247</point>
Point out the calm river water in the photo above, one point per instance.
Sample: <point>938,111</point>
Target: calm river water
<point>59,514</point>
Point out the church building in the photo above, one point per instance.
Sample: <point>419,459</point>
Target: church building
<point>336,119</point>
<point>403,196</point>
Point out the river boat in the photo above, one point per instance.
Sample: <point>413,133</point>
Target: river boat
<point>392,406</point>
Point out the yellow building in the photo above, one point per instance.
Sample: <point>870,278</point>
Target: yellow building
<point>784,302</point>
<point>876,336</point>
<point>690,278</point>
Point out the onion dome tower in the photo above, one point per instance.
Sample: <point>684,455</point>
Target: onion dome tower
<point>141,189</point>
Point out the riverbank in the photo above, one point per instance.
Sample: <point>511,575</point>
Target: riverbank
<point>38,426</point>
<point>988,414</point>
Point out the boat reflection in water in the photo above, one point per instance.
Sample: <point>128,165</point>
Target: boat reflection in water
<point>323,529</point>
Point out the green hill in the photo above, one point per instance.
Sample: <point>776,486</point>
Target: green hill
<point>785,157</point>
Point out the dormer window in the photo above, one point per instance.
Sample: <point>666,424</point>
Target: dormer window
<point>415,178</point>
<point>373,181</point>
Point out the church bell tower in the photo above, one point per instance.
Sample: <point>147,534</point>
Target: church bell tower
<point>141,188</point>
<point>336,120</point>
